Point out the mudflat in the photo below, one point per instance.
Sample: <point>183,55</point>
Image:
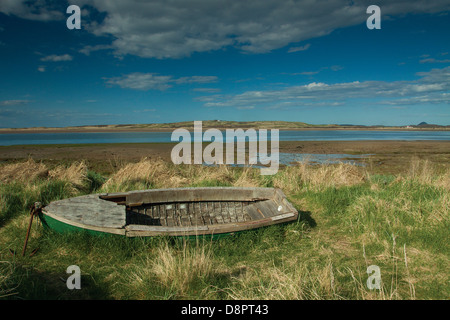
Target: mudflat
<point>382,156</point>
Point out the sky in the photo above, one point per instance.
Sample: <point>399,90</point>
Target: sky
<point>134,62</point>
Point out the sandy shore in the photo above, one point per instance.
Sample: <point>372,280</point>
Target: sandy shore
<point>385,156</point>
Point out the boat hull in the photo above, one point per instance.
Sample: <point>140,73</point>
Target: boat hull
<point>184,212</point>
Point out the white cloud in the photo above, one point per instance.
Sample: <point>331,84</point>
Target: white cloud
<point>432,98</point>
<point>428,87</point>
<point>40,10</point>
<point>308,73</point>
<point>196,79</point>
<point>311,73</point>
<point>433,60</point>
<point>88,49</point>
<point>144,110</point>
<point>41,68</point>
<point>336,68</point>
<point>315,85</point>
<point>209,90</point>
<point>152,81</point>
<point>246,108</point>
<point>178,28</point>
<point>302,48</point>
<point>432,87</point>
<point>14,102</point>
<point>141,81</point>
<point>56,58</point>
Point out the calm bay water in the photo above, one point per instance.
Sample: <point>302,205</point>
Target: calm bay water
<point>143,137</point>
<point>284,158</point>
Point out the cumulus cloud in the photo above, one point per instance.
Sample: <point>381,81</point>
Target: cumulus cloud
<point>432,87</point>
<point>178,28</point>
<point>175,29</point>
<point>153,81</point>
<point>164,29</point>
<point>39,10</point>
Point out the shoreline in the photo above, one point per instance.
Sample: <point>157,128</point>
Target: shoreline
<point>58,145</point>
<point>113,130</point>
<point>386,156</point>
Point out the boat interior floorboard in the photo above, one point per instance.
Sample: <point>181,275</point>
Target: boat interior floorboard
<point>187,214</point>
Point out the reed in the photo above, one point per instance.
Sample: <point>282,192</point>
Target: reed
<point>23,172</point>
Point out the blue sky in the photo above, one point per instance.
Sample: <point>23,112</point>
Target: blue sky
<point>161,61</point>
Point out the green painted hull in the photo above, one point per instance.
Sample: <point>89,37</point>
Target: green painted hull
<point>61,227</point>
<point>50,223</point>
<point>210,213</point>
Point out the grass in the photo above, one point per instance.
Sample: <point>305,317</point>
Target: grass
<point>349,219</point>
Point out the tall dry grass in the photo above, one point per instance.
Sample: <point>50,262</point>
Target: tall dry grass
<point>179,269</point>
<point>302,282</point>
<point>162,174</point>
<point>144,171</point>
<point>30,171</point>
<point>175,270</point>
<point>23,172</point>
<point>424,172</point>
<point>76,173</point>
<point>26,182</point>
<point>308,280</point>
<point>293,178</point>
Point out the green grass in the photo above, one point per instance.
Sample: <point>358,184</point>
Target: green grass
<point>399,223</point>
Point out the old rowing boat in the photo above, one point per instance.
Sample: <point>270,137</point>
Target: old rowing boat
<point>173,212</point>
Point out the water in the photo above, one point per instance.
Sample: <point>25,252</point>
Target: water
<point>147,137</point>
<point>288,159</point>
<point>83,138</point>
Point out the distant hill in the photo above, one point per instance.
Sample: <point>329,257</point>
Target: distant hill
<point>221,124</point>
<point>424,125</point>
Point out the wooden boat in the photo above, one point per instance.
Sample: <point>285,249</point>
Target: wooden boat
<point>173,212</point>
